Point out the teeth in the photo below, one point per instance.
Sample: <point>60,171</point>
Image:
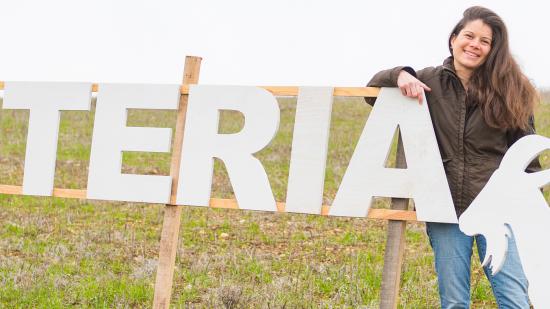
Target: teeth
<point>470,54</point>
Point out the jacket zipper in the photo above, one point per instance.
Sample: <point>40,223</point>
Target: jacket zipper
<point>461,154</point>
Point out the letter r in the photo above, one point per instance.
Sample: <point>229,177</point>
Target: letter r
<point>202,142</point>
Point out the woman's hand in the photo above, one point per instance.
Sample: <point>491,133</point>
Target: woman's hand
<point>410,86</point>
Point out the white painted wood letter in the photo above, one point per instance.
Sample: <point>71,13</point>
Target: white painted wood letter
<point>202,142</point>
<point>111,136</point>
<point>424,178</point>
<point>306,177</point>
<point>44,100</point>
<point>512,204</point>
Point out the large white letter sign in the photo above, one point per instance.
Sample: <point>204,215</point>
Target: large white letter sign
<point>424,178</point>
<point>202,142</point>
<point>44,100</point>
<point>111,136</point>
<point>306,177</point>
<point>512,199</point>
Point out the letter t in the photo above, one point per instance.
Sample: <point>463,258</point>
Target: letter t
<point>44,100</point>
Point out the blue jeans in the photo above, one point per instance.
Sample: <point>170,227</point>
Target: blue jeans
<point>453,255</point>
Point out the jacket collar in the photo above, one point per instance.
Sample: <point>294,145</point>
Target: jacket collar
<point>448,64</point>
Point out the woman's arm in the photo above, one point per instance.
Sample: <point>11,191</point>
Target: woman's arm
<point>402,77</point>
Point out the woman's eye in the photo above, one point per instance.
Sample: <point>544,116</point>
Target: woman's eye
<point>469,36</point>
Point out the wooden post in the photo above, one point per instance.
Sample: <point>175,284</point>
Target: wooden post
<point>395,245</point>
<point>172,214</point>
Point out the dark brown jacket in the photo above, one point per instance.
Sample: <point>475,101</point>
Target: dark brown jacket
<point>470,149</point>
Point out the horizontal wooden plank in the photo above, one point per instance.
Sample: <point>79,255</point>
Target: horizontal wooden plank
<point>289,90</point>
<point>382,214</point>
<point>356,91</point>
<point>392,214</point>
<point>69,193</point>
<point>7,189</point>
<point>66,193</point>
<point>293,91</point>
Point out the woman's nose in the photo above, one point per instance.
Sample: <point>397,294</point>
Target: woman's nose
<point>474,43</point>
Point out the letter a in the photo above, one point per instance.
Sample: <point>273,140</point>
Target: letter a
<point>424,178</point>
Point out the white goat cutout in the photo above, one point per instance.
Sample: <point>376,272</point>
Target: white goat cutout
<point>511,202</point>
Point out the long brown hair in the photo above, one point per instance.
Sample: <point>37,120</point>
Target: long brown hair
<point>504,94</point>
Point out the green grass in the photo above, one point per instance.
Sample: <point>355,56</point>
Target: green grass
<point>58,253</point>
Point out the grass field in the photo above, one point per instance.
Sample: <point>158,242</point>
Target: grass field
<point>57,253</point>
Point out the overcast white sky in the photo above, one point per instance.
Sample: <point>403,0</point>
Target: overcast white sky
<point>255,42</point>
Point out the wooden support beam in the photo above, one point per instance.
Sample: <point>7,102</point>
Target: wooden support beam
<point>293,91</point>
<point>380,214</point>
<point>57,192</point>
<point>395,246</point>
<point>169,240</point>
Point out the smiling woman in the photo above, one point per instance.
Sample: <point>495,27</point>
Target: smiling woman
<point>480,103</point>
<point>470,48</point>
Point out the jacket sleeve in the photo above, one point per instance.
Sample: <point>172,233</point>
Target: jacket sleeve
<point>387,78</point>
<point>515,134</point>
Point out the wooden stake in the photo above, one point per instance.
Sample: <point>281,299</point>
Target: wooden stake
<point>169,239</point>
<point>395,246</point>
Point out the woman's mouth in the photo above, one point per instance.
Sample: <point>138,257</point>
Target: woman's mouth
<point>471,54</point>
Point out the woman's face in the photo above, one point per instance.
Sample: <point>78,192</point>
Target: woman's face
<point>472,45</point>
